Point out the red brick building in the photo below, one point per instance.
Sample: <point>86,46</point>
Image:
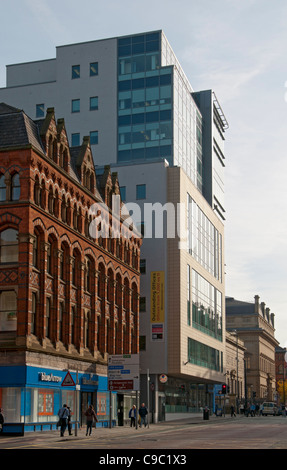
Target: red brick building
<point>67,300</point>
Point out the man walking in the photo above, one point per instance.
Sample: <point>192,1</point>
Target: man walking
<point>63,414</point>
<point>143,414</point>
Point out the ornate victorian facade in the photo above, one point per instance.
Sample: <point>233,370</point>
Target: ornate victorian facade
<point>62,292</point>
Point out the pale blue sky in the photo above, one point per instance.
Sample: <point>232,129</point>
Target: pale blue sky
<point>237,48</point>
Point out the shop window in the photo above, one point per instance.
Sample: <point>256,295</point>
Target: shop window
<point>45,403</point>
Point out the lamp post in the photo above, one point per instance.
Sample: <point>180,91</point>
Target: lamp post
<point>237,384</point>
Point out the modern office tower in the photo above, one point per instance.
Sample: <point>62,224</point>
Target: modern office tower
<point>131,96</point>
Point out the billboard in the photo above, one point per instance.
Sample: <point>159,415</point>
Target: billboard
<point>157,305</point>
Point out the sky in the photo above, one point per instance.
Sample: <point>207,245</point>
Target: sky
<point>238,49</point>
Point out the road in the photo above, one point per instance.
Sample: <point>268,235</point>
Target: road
<point>227,433</point>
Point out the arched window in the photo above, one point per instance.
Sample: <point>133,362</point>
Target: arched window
<point>3,195</point>
<point>88,266</point>
<point>73,317</point>
<point>61,314</point>
<point>86,329</point>
<point>75,217</point>
<point>36,250</point>
<point>9,246</point>
<point>37,190</point>
<point>15,187</point>
<point>51,201</point>
<point>48,318</point>
<point>34,314</point>
<point>64,210</point>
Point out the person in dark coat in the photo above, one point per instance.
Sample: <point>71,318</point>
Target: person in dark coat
<point>91,416</point>
<point>63,414</point>
<point>143,414</point>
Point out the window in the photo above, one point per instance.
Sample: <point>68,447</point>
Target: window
<point>75,71</point>
<point>48,317</point>
<point>142,304</point>
<point>49,258</point>
<point>9,246</point>
<point>76,106</point>
<point>61,312</point>
<point>34,313</point>
<point>2,188</point>
<point>123,193</point>
<point>94,103</point>
<point>15,187</point>
<point>141,191</point>
<point>94,69</point>
<point>142,266</point>
<point>94,137</point>
<point>8,310</point>
<point>40,110</point>
<point>45,402</point>
<point>75,140</point>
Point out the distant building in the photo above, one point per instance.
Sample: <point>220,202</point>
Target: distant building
<point>67,300</point>
<point>254,325</point>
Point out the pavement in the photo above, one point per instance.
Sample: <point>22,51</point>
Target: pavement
<point>120,431</point>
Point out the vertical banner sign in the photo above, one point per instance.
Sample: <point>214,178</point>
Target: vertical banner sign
<point>157,305</point>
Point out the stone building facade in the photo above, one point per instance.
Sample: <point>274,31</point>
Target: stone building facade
<point>67,299</point>
<point>254,324</point>
<point>235,368</point>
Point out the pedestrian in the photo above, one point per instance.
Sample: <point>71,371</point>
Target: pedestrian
<point>91,416</point>
<point>69,421</point>
<point>1,419</point>
<point>63,414</point>
<point>252,409</point>
<point>133,415</point>
<point>261,409</point>
<point>232,411</point>
<point>143,414</point>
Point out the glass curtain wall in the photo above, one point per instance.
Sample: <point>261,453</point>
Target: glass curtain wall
<point>157,116</point>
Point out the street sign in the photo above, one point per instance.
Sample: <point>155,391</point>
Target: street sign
<point>123,372</point>
<point>163,378</point>
<point>118,385</point>
<point>68,381</point>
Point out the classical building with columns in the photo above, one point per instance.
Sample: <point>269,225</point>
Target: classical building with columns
<point>68,299</point>
<point>254,324</point>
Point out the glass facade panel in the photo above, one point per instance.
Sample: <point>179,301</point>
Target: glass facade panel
<point>204,240</point>
<point>145,128</point>
<point>204,356</point>
<point>206,307</point>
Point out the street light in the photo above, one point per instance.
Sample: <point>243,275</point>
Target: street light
<point>237,385</point>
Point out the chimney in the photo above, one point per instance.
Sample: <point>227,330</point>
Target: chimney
<point>267,314</point>
<point>263,308</point>
<point>272,319</point>
<point>256,297</point>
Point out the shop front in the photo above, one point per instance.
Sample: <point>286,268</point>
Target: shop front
<point>32,396</point>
